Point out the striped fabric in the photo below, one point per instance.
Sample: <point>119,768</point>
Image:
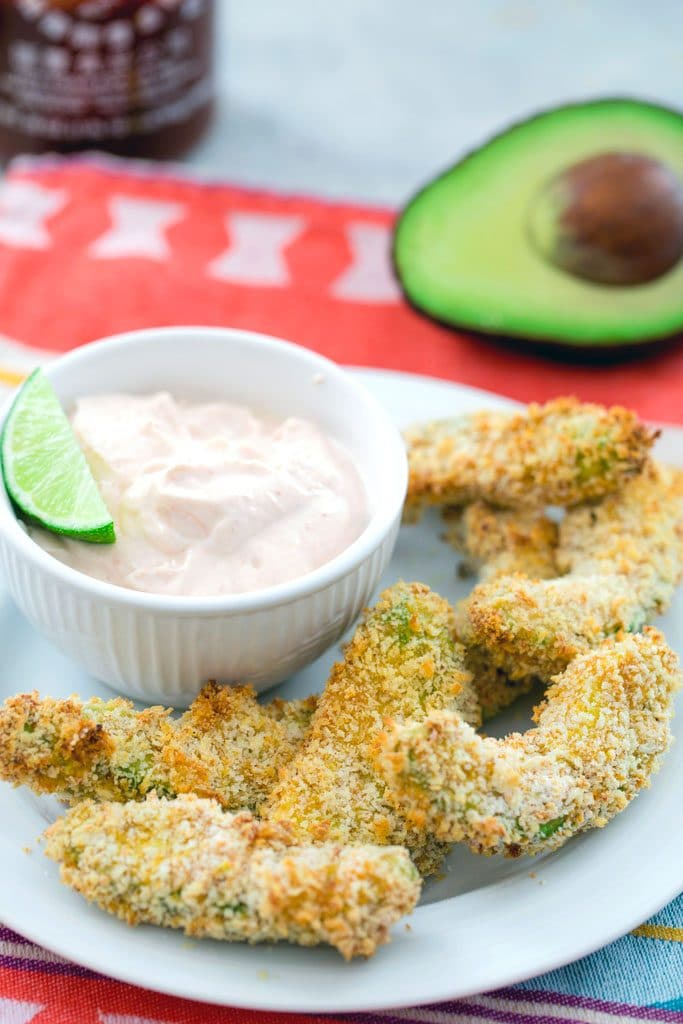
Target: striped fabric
<point>89,248</point>
<point>637,978</point>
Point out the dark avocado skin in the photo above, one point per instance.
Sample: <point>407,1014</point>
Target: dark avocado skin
<point>652,339</point>
<point>562,351</point>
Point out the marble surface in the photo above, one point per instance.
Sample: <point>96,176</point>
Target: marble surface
<point>368,98</point>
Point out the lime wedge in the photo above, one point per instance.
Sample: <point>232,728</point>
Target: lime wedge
<point>45,471</point>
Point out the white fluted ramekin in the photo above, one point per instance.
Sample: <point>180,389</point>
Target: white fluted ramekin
<point>159,648</point>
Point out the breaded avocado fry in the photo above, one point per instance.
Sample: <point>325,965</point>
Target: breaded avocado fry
<point>496,542</point>
<point>495,689</point>
<point>226,746</point>
<point>623,558</point>
<point>600,735</point>
<point>401,663</point>
<point>187,864</point>
<point>561,453</point>
<point>230,747</point>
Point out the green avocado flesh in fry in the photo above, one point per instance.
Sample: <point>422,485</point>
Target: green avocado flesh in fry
<point>464,250</point>
<point>549,828</point>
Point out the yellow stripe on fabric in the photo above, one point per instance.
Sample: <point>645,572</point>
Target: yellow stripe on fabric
<point>659,931</point>
<point>11,378</point>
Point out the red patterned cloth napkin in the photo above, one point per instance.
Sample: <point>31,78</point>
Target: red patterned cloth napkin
<point>90,247</point>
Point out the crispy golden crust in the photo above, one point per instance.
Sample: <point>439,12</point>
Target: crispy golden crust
<point>561,453</point>
<point>495,689</point>
<point>600,736</point>
<point>623,558</point>
<point>294,715</point>
<point>401,663</point>
<point>100,749</point>
<point>225,746</point>
<point>187,864</point>
<point>229,747</point>
<point>497,542</point>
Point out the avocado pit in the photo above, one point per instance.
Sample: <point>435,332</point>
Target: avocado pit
<point>615,219</point>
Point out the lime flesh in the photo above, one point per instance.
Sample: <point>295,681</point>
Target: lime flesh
<point>45,471</point>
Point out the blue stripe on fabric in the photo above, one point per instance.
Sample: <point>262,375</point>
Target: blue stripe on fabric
<point>673,1004</point>
<point>638,971</point>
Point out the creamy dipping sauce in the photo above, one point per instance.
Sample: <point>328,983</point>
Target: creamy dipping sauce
<point>210,498</point>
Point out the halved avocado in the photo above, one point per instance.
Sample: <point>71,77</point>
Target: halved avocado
<point>565,228</point>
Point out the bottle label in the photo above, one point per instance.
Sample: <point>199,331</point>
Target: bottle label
<point>102,70</point>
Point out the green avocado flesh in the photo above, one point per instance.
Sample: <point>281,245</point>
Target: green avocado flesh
<point>462,249</point>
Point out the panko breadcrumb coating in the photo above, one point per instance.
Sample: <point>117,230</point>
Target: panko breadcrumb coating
<point>561,453</point>
<point>599,737</point>
<point>294,715</point>
<point>188,864</point>
<point>496,690</point>
<point>226,746</point>
<point>496,542</point>
<point>230,747</point>
<point>623,558</point>
<point>402,663</point>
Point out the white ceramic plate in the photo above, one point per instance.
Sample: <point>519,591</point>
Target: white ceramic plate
<point>488,923</point>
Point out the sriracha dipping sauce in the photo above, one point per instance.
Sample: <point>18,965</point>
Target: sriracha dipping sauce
<point>130,76</point>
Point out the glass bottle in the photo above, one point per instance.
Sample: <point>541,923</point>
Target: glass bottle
<point>129,76</point>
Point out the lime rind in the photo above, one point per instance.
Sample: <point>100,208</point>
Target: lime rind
<point>44,470</point>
